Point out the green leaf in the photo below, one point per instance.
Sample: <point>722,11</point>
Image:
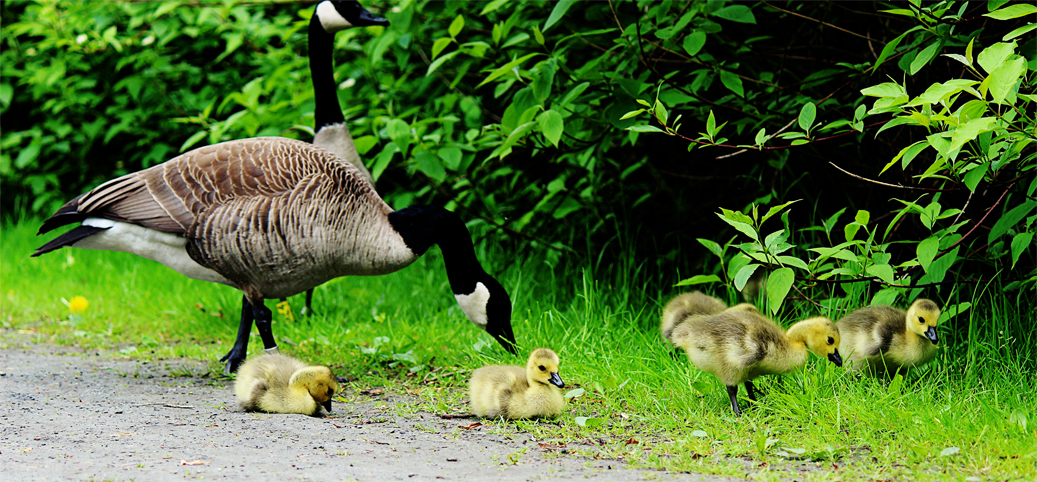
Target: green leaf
<point>949,451</point>
<point>538,35</point>
<point>953,310</point>
<point>711,124</point>
<point>439,45</point>
<point>574,393</point>
<point>924,57</point>
<point>699,279</point>
<point>1020,243</point>
<point>557,12</point>
<point>451,157</point>
<point>736,13</point>
<point>456,26</point>
<point>1013,11</point>
<point>884,297</point>
<point>806,116</point>
<point>926,251</point>
<point>975,175</point>
<point>738,221</point>
<point>543,79</point>
<point>587,421</point>
<point>1003,79</point>
<point>712,246</point>
<point>436,63</point>
<point>507,68</point>
<point>794,262</point>
<point>1010,219</point>
<point>694,42</point>
<point>1019,32</point>
<point>993,56</point>
<point>778,285</point>
<point>890,49</point>
<point>885,89</point>
<point>732,82</point>
<point>633,113</point>
<point>197,136</point>
<point>430,164</point>
<point>744,274</point>
<point>908,154</point>
<point>644,128</point>
<point>883,271</point>
<point>551,125</point>
<point>775,210</point>
<point>862,217</point>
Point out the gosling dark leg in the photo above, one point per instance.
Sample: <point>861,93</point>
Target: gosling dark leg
<point>751,389</point>
<point>236,356</point>
<point>264,322</point>
<point>732,391</point>
<point>309,303</point>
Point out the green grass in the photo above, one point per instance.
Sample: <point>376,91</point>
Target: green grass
<point>404,332</point>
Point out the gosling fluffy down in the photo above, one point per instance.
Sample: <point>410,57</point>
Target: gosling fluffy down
<point>280,384</point>
<point>887,340</point>
<point>740,344</point>
<point>514,392</point>
<point>687,305</point>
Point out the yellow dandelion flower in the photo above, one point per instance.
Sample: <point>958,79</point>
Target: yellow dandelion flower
<point>78,304</point>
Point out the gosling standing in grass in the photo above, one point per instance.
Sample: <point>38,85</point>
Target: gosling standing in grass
<point>887,341</point>
<point>280,384</point>
<point>685,306</point>
<point>514,392</point>
<point>739,344</point>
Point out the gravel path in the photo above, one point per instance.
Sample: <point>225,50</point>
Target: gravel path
<point>88,417</point>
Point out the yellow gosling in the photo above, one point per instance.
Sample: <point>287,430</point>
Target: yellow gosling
<point>280,384</point>
<point>514,392</point>
<point>688,305</point>
<point>886,340</point>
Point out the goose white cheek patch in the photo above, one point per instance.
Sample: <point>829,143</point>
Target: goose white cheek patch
<point>474,305</point>
<point>330,19</point>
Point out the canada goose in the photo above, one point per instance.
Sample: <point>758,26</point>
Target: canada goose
<point>274,217</point>
<point>887,340</point>
<point>514,392</point>
<point>280,384</point>
<point>739,344</point>
<point>687,305</point>
<point>330,130</point>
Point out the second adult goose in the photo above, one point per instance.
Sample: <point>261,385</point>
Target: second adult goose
<point>330,130</point>
<point>274,217</point>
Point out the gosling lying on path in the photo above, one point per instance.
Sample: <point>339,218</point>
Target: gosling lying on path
<point>514,392</point>
<point>280,384</point>
<point>739,344</point>
<point>886,340</point>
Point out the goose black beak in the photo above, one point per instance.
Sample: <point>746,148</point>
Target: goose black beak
<point>557,380</point>
<point>367,18</point>
<point>835,358</point>
<point>327,405</point>
<point>931,334</point>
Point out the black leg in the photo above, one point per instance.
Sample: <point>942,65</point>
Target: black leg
<point>751,389</point>
<point>264,321</point>
<point>309,302</point>
<point>236,356</point>
<point>732,391</point>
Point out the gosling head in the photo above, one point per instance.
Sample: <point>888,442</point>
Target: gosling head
<point>542,367</point>
<point>335,15</point>
<point>922,317</point>
<point>821,337</point>
<point>319,382</point>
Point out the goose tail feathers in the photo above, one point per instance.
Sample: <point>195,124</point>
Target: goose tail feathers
<point>67,239</point>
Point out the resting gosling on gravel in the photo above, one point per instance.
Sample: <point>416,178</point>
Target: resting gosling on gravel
<point>687,305</point>
<point>886,340</point>
<point>280,384</point>
<point>739,344</point>
<point>514,392</point>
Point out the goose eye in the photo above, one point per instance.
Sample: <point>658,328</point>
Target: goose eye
<point>330,392</point>
<point>831,340</point>
<point>542,368</point>
<point>921,320</point>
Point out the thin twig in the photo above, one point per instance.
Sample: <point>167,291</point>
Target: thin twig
<point>162,404</point>
<point>819,21</point>
<point>451,416</point>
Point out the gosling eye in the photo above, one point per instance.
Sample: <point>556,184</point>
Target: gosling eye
<point>542,368</point>
<point>331,392</point>
<point>831,341</point>
<point>921,320</point>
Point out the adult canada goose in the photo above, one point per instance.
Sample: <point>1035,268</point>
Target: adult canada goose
<point>280,384</point>
<point>514,392</point>
<point>330,130</point>
<point>740,344</point>
<point>274,217</point>
<point>887,340</point>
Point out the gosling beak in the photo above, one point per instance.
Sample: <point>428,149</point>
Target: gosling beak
<point>327,405</point>
<point>368,18</point>
<point>931,334</point>
<point>557,380</point>
<point>835,358</point>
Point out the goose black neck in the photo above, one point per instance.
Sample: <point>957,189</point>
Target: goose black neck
<point>423,226</point>
<point>321,43</point>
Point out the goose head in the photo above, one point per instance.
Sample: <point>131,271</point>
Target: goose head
<point>481,297</point>
<point>922,317</point>
<point>542,367</point>
<point>336,15</point>
<point>318,381</point>
<point>821,337</point>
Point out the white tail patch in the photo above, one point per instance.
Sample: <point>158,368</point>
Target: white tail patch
<point>166,248</point>
<point>330,19</point>
<point>474,305</point>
